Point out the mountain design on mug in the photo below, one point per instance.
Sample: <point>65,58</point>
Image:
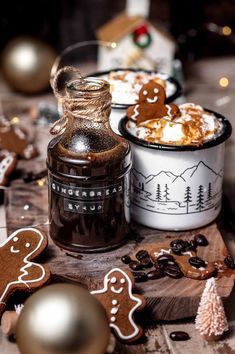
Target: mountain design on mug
<point>169,193</point>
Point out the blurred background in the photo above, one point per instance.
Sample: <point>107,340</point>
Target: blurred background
<point>192,40</point>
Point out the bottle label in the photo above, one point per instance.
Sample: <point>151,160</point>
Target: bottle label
<point>85,200</point>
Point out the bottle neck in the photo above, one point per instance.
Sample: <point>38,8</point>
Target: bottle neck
<point>97,109</point>
<point>88,98</point>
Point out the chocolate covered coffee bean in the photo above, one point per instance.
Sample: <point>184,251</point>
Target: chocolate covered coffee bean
<point>197,262</point>
<point>135,265</point>
<point>126,259</point>
<point>229,261</point>
<point>142,254</point>
<point>201,240</point>
<point>140,277</point>
<point>155,274</point>
<point>179,336</point>
<point>173,271</point>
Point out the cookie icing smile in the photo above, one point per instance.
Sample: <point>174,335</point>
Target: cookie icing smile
<point>116,291</point>
<point>152,100</point>
<point>14,251</point>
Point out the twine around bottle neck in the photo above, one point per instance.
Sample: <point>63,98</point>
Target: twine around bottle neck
<point>89,105</point>
<point>86,98</point>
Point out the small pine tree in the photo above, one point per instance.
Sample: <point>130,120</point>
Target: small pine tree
<point>158,193</point>
<point>211,319</point>
<point>200,198</point>
<point>166,193</point>
<point>187,197</point>
<point>209,193</point>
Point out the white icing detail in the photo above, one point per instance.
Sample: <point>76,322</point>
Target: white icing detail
<point>15,239</point>
<point>26,263</point>
<point>169,109</point>
<point>113,280</point>
<point>136,113</point>
<point>12,250</point>
<point>116,291</point>
<point>145,92</point>
<point>114,302</point>
<point>157,254</point>
<point>114,310</point>
<point>202,269</point>
<point>19,308</point>
<point>113,319</point>
<point>152,100</point>
<point>188,252</point>
<point>132,297</point>
<point>28,151</point>
<point>20,133</point>
<point>122,281</point>
<point>155,90</point>
<point>27,245</point>
<point>4,166</point>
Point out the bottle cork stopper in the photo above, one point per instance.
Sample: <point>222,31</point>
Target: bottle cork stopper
<point>8,322</point>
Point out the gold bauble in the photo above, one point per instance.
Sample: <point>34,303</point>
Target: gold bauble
<point>62,319</point>
<point>26,64</point>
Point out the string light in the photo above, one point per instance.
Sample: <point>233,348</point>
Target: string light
<point>15,120</point>
<point>41,182</point>
<point>227,30</point>
<point>224,81</point>
<point>113,45</point>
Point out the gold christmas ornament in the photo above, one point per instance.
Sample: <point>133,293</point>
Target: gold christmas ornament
<point>62,319</point>
<point>26,64</point>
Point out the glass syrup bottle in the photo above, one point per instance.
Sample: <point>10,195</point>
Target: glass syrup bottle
<point>89,170</point>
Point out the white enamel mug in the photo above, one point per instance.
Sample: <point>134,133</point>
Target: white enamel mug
<point>176,187</point>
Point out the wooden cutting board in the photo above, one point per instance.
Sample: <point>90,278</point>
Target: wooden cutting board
<point>167,298</point>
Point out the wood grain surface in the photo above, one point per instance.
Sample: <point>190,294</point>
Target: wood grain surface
<point>167,298</point>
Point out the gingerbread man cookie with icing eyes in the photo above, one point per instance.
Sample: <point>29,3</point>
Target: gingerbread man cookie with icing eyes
<point>8,163</point>
<point>151,104</point>
<point>14,139</point>
<point>120,303</point>
<point>17,271</point>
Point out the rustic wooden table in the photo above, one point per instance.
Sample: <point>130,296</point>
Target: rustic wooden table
<point>201,87</point>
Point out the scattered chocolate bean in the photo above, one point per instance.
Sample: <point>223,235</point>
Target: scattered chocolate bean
<point>146,262</point>
<point>173,272</point>
<point>134,265</point>
<point>197,262</point>
<point>178,249</point>
<point>142,254</point>
<point>165,258</point>
<point>177,241</point>
<point>126,259</point>
<point>229,261</point>
<point>140,276</point>
<point>190,246</point>
<point>201,240</point>
<point>171,263</point>
<point>159,265</point>
<point>155,274</point>
<point>179,336</point>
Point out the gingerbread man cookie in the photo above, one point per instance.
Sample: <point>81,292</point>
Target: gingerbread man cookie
<point>120,303</point>
<point>14,139</point>
<point>151,104</point>
<point>8,163</point>
<point>191,266</point>
<point>17,271</point>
